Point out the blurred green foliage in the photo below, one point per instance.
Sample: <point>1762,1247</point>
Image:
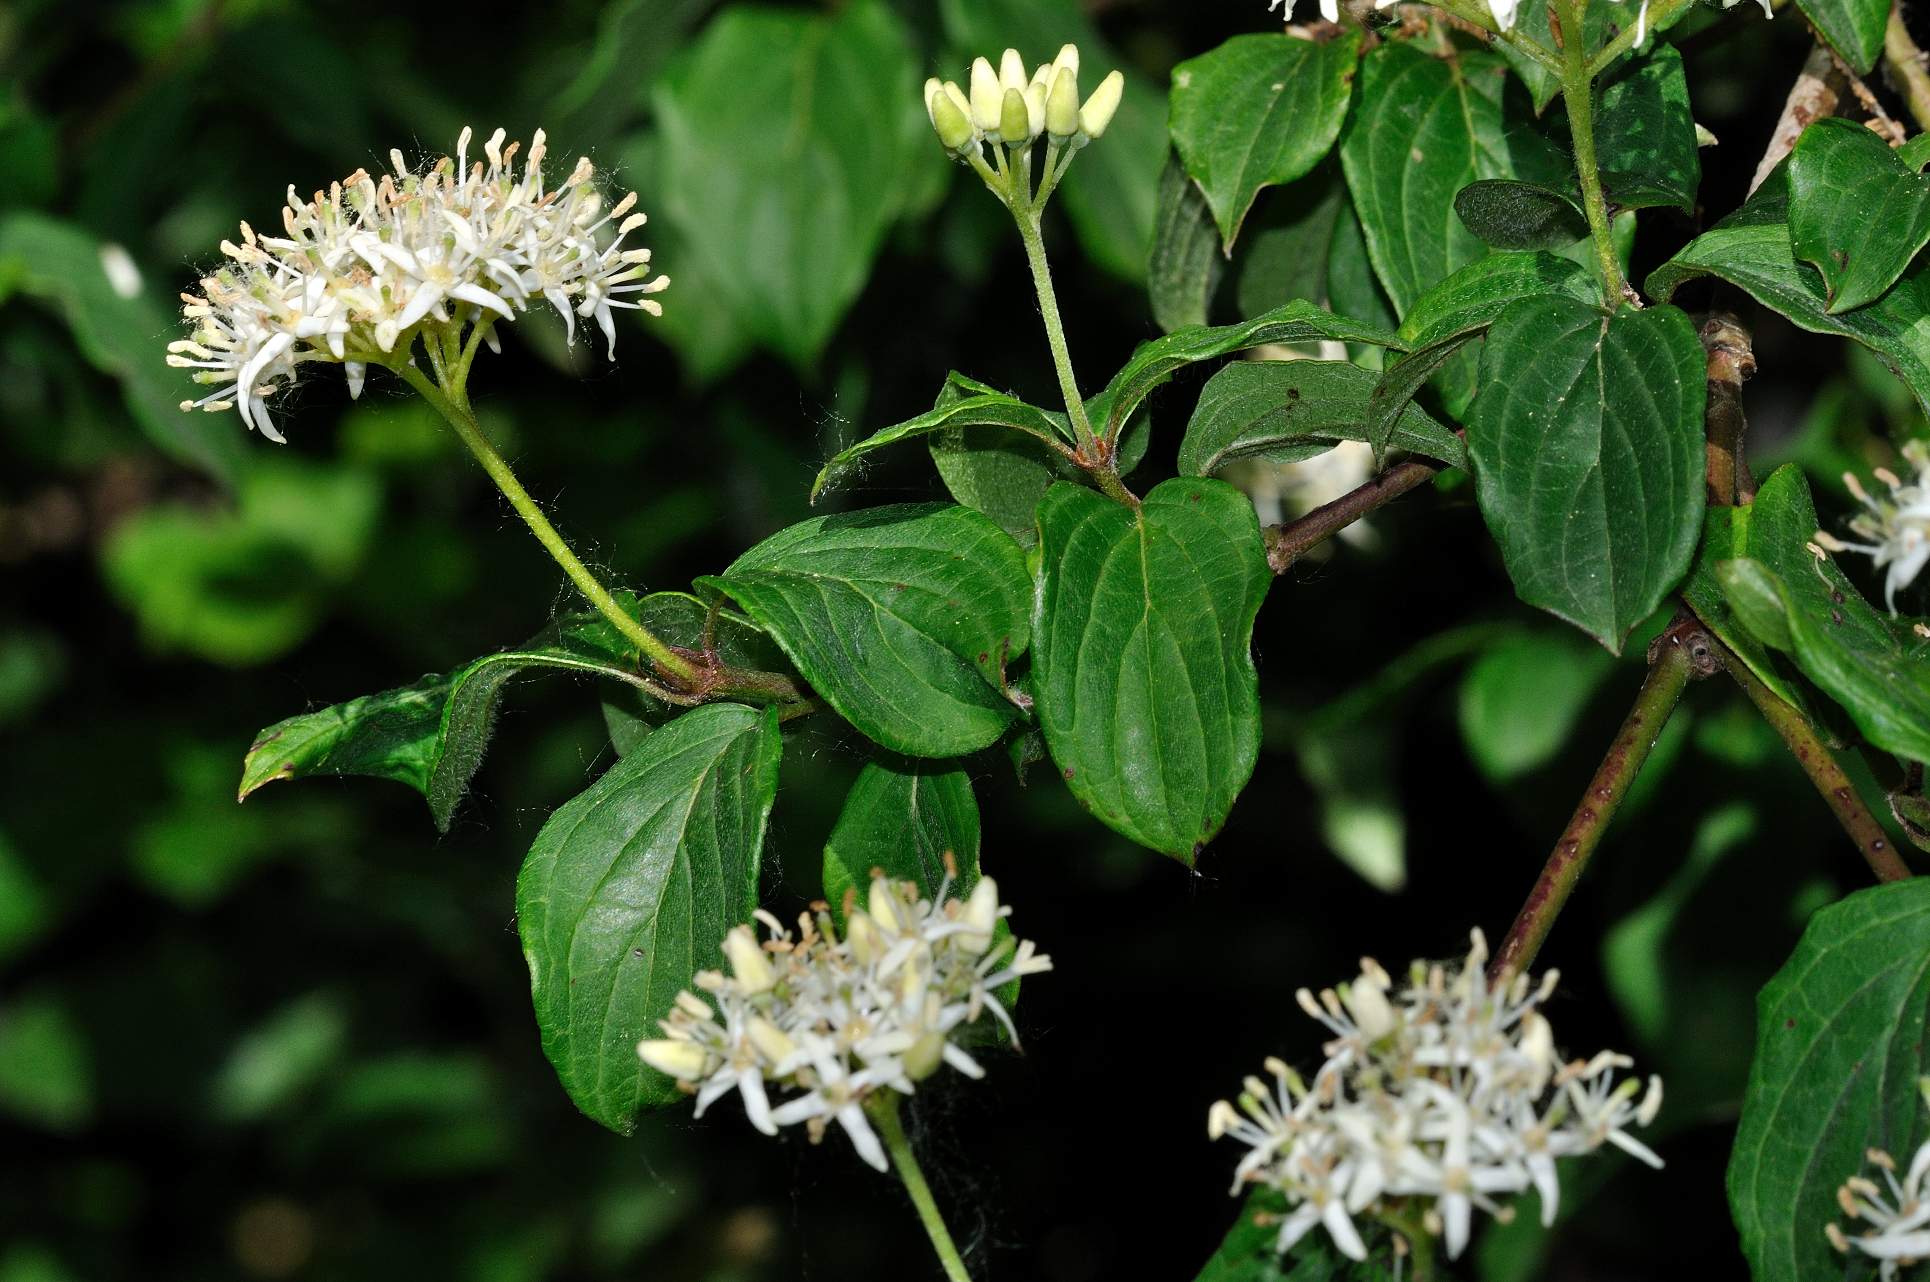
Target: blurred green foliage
<point>292,1039</point>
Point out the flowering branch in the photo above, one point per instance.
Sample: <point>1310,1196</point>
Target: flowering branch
<point>1681,652</point>
<point>1288,542</point>
<point>1821,766</point>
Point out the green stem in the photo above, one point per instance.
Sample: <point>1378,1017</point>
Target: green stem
<point>883,1109</point>
<point>1660,11</point>
<point>1055,334</point>
<point>1662,689</point>
<point>1420,1243</point>
<point>1578,92</point>
<point>454,407</point>
<point>1905,61</point>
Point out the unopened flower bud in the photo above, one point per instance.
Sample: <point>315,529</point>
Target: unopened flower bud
<point>1012,71</point>
<point>1098,110</point>
<point>1015,122</point>
<point>988,97</point>
<point>1035,108</point>
<point>884,907</point>
<point>682,1060</point>
<point>748,963</point>
<point>771,1041</point>
<point>924,1057</point>
<point>1373,1014</point>
<point>981,914</point>
<point>1062,104</point>
<point>1067,60</point>
<point>861,932</point>
<point>1220,1119</point>
<point>953,124</point>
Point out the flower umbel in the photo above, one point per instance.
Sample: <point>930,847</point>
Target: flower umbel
<point>1006,111</point>
<point>1895,526</point>
<point>1440,1093</point>
<point>363,267</point>
<point>1897,1210</point>
<point>827,1022</point>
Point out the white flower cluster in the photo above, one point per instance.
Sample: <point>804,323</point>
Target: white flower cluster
<point>1899,1233</point>
<point>1010,107</point>
<point>828,1022</point>
<point>1443,1092</point>
<point>364,263</point>
<point>1896,525</point>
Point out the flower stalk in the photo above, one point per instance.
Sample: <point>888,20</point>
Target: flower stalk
<point>1578,92</point>
<point>884,1115</point>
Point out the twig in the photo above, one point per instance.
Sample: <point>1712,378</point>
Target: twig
<point>1678,654</point>
<point>1820,765</point>
<point>1816,93</point>
<point>1287,543</point>
<point>1905,64</point>
<point>1732,361</point>
<point>1892,132</point>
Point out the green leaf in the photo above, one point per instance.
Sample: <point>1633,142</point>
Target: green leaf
<point>1645,133</point>
<point>1510,214</point>
<point>1425,128</point>
<point>1751,250</point>
<point>431,735</point>
<point>983,408</point>
<point>46,1072</point>
<point>1840,1043</point>
<point>904,817</point>
<point>1522,699</point>
<point>1110,193</point>
<point>1871,664</point>
<point>1532,23</point>
<point>1853,28</point>
<point>1284,411</point>
<point>1186,265</point>
<point>124,338</point>
<point>1587,444</point>
<point>1856,211</point>
<point>1260,110</point>
<point>1724,536</point>
<point>1154,362</point>
<point>1455,312</point>
<point>785,136</point>
<point>629,890</point>
<point>903,618</point>
<point>1002,475</point>
<point>1143,672</point>
<point>1287,249</point>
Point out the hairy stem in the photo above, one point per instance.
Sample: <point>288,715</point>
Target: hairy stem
<point>1288,542</point>
<point>1659,14</point>
<point>1905,62</point>
<point>1055,334</point>
<point>1578,92</point>
<point>1671,664</point>
<point>1820,765</point>
<point>454,407</point>
<point>883,1110</point>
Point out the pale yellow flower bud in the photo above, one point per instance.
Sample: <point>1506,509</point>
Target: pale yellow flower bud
<point>1012,71</point>
<point>1014,120</point>
<point>988,97</point>
<point>981,914</point>
<point>1067,60</point>
<point>1098,110</point>
<point>1222,1117</point>
<point>1062,105</point>
<point>771,1041</point>
<point>748,963</point>
<point>953,125</point>
<point>861,932</point>
<point>682,1060</point>
<point>884,907</point>
<point>924,1057</point>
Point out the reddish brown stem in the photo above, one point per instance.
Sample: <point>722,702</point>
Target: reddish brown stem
<point>1732,361</point>
<point>1289,542</point>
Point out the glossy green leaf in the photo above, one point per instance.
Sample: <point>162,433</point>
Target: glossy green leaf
<point>1522,699</point>
<point>1289,410</point>
<point>1260,110</point>
<point>1143,671</point>
<point>1871,664</point>
<point>906,818</point>
<point>1645,140</point>
<point>1587,445</point>
<point>1425,128</point>
<point>902,618</point>
<point>1724,537</point>
<point>1857,211</point>
<point>1751,250</point>
<point>1853,28</point>
<point>1455,312</point>
<point>1507,213</point>
<point>831,102</point>
<point>125,338</point>
<point>982,408</point>
<point>1154,362</point>
<point>1840,1044</point>
<point>629,890</point>
<point>432,735</point>
<point>1186,265</point>
<point>1110,193</point>
<point>1286,248</point>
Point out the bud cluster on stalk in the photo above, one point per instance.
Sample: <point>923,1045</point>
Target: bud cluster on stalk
<point>1010,110</point>
<point>825,1021</point>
